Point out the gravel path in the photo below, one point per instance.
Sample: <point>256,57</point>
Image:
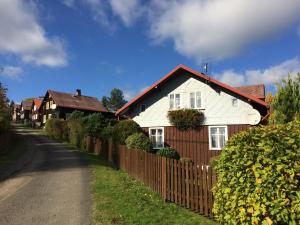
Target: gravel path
<point>52,189</point>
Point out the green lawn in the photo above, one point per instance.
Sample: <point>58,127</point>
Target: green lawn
<point>17,149</point>
<point>119,199</point>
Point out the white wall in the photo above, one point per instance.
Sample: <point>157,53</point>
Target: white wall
<point>217,105</point>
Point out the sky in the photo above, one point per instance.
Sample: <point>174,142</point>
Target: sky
<point>98,45</point>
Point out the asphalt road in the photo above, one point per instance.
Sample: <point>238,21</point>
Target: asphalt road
<point>52,189</point>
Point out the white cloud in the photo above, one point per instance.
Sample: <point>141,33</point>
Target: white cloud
<point>127,10</point>
<point>218,29</point>
<point>119,70</point>
<point>129,94</point>
<point>22,35</point>
<point>13,72</point>
<point>268,76</point>
<point>69,3</point>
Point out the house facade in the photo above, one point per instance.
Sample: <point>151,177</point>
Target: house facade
<point>227,111</point>
<point>25,112</point>
<point>35,114</point>
<point>61,105</point>
<point>16,113</point>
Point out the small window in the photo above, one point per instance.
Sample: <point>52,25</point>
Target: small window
<point>177,101</point>
<point>217,137</point>
<point>174,101</point>
<point>195,100</point>
<point>157,137</point>
<point>234,102</point>
<point>171,101</point>
<point>143,108</point>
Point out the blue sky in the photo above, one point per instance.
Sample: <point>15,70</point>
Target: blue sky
<point>97,45</point>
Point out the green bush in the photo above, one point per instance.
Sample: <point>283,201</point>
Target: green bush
<point>168,153</point>
<point>95,124</point>
<point>259,177</point>
<point>57,129</point>
<point>139,141</point>
<point>123,129</point>
<point>185,119</point>
<point>78,129</point>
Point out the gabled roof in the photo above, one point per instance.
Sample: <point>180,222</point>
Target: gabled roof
<point>37,102</point>
<point>255,90</point>
<point>27,103</point>
<point>79,102</point>
<point>197,74</point>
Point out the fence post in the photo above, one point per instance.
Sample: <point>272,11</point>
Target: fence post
<point>164,177</point>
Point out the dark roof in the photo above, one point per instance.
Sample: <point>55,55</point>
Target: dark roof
<point>26,104</point>
<point>195,73</point>
<point>80,102</point>
<point>255,90</point>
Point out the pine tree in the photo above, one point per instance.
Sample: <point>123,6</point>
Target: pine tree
<point>286,103</point>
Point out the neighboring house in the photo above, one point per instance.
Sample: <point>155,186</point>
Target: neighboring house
<point>16,113</point>
<point>61,104</point>
<point>35,114</point>
<point>227,111</point>
<point>257,91</point>
<point>25,113</point>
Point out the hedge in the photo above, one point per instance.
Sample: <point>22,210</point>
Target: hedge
<point>123,129</point>
<point>185,119</point>
<point>57,129</point>
<point>139,141</point>
<point>259,176</point>
<point>168,153</point>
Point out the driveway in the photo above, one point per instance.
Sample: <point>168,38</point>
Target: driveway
<point>52,189</point>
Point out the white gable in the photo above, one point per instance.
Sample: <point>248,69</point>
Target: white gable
<point>216,105</point>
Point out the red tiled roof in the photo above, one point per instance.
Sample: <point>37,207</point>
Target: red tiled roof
<point>201,75</point>
<point>255,90</point>
<point>80,102</point>
<point>37,102</point>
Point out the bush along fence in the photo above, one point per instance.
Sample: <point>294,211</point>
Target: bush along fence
<point>176,181</point>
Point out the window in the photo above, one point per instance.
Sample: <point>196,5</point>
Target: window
<point>217,137</point>
<point>143,108</point>
<point>157,137</point>
<point>174,101</point>
<point>195,100</point>
<point>44,118</point>
<point>234,102</point>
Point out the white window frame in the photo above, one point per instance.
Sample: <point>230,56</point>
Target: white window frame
<point>174,101</point>
<point>163,136</point>
<point>195,100</point>
<point>209,136</point>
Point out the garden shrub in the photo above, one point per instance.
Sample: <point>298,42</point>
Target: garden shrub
<point>57,129</point>
<point>123,129</point>
<point>168,153</point>
<point>185,119</point>
<point>77,126</point>
<point>95,124</point>
<point>259,177</point>
<point>139,141</point>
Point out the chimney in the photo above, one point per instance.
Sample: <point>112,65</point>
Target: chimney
<point>78,92</point>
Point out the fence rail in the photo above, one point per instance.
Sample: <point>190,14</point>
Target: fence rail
<point>183,183</point>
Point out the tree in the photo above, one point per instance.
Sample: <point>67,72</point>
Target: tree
<point>115,101</point>
<point>286,103</point>
<point>4,109</point>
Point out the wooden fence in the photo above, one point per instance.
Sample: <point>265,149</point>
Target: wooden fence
<point>183,183</point>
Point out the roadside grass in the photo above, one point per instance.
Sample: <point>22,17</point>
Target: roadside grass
<point>119,199</point>
<point>16,150</point>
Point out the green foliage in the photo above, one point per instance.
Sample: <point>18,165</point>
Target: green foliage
<point>77,127</point>
<point>5,111</point>
<point>258,177</point>
<point>123,129</point>
<point>95,124</point>
<point>185,119</point>
<point>115,101</point>
<point>286,103</point>
<point>57,129</point>
<point>168,153</point>
<point>139,141</point>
